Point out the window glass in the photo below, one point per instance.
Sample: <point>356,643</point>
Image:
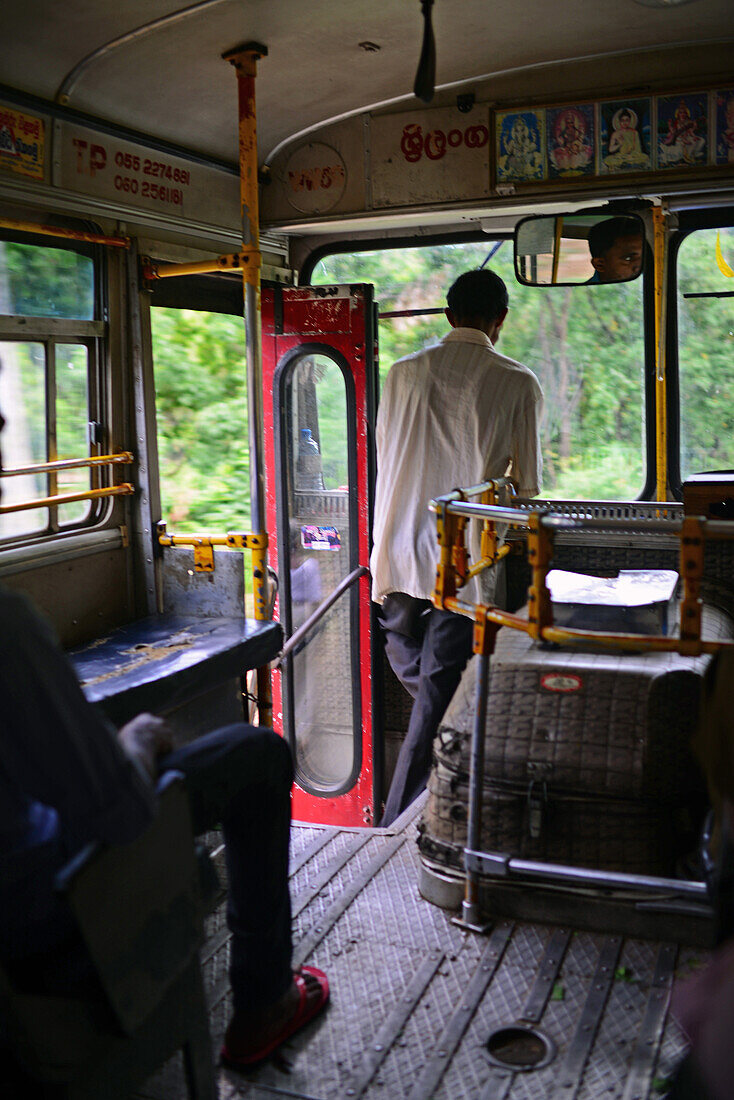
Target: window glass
<point>585,344</point>
<point>45,282</point>
<point>319,549</point>
<point>201,408</point>
<point>72,426</point>
<point>23,442</point>
<point>706,350</point>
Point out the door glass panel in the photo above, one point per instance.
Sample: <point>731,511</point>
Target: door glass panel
<point>72,426</point>
<point>319,552</point>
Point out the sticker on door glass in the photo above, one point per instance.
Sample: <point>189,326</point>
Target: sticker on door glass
<point>320,538</point>
<point>553,681</point>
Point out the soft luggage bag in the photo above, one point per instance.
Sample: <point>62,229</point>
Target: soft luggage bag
<point>587,757</point>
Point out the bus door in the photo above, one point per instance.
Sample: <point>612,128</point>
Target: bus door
<point>319,395</point>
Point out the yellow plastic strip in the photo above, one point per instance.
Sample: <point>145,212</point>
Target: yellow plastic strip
<point>723,265</point>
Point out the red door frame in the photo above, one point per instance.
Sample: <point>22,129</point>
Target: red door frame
<point>339,320</point>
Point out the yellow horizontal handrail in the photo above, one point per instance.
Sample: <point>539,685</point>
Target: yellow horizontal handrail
<point>235,540</point>
<point>126,489</point>
<point>68,234</point>
<point>121,459</point>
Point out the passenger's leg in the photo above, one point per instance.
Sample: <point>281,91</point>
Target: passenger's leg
<point>403,622</point>
<point>447,646</point>
<point>241,776</point>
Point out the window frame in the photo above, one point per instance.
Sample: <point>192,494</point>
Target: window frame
<point>689,222</point>
<point>50,332</point>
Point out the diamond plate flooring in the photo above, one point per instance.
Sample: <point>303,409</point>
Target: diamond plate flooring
<point>415,998</point>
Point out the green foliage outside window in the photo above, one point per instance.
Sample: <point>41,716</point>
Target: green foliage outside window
<point>202,420</point>
<point>585,344</point>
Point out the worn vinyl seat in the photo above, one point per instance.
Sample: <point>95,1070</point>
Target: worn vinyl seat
<point>138,910</point>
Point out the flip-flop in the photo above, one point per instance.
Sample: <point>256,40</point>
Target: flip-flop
<point>303,1015</point>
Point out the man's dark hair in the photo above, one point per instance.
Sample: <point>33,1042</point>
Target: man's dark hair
<point>477,295</point>
<point>603,235</point>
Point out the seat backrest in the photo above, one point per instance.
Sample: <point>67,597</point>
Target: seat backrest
<point>138,909</point>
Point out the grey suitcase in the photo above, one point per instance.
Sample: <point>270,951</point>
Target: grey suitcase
<point>587,757</point>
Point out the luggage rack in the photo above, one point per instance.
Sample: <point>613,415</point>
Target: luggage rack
<point>541,521</point>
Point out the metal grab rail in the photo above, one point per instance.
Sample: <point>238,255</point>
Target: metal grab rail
<point>124,458</point>
<point>123,490</point>
<point>204,548</point>
<point>318,614</point>
<point>452,512</point>
<point>68,234</point>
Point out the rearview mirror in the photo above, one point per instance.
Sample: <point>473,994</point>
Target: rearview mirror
<point>579,249</point>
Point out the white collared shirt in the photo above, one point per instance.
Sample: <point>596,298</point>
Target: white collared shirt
<point>450,416</point>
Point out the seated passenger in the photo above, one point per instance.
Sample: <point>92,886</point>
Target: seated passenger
<point>67,779</point>
<point>615,245</point>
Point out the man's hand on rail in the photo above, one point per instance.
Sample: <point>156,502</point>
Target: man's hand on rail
<point>146,738</point>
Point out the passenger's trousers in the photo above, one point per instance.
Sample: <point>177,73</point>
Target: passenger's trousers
<point>241,776</point>
<point>428,649</point>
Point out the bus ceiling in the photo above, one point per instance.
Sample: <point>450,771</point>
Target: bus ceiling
<point>141,118</point>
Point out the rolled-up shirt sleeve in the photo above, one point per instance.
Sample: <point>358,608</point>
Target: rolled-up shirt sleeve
<point>56,748</point>
<point>527,458</point>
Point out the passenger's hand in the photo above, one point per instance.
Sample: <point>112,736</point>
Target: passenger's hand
<point>147,738</point>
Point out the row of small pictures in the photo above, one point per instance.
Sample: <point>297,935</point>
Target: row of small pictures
<point>620,135</point>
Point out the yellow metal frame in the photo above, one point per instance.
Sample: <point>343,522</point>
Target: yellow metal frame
<point>66,234</point>
<point>124,458</point>
<point>695,530</point>
<point>232,261</point>
<point>123,490</point>
<point>660,256</point>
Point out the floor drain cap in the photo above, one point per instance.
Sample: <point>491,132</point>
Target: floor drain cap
<point>520,1047</point>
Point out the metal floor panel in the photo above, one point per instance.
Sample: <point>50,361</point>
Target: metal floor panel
<point>402,975</point>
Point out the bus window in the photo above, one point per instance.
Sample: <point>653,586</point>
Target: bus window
<point>47,382</point>
<point>585,344</point>
<point>201,410</point>
<point>705,346</point>
<point>320,541</point>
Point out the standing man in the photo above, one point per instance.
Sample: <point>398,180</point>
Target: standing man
<point>455,413</point>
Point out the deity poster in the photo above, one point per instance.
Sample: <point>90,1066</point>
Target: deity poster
<point>520,146</point>
<point>625,139</point>
<point>570,132</point>
<point>724,122</point>
<point>682,130</point>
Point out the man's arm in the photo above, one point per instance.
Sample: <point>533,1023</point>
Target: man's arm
<point>527,458</point>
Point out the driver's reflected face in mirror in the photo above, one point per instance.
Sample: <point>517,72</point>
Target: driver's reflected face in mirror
<point>616,250</point>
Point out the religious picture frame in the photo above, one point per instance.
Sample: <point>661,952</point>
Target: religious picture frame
<point>682,130</point>
<point>571,140</point>
<point>520,146</point>
<point>624,136</point>
<point>724,126</point>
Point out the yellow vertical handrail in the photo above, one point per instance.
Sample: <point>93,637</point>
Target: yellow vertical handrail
<point>660,255</point>
<point>245,59</point>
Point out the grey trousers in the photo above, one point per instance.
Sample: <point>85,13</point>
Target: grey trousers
<point>428,650</point>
